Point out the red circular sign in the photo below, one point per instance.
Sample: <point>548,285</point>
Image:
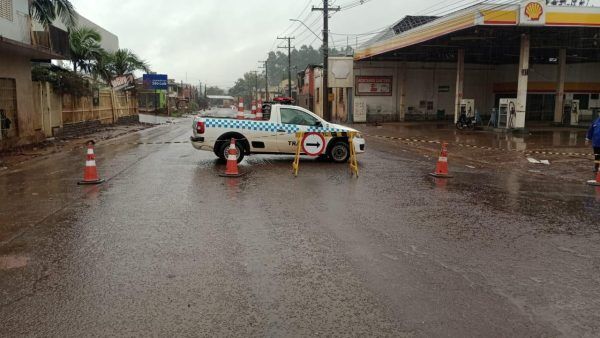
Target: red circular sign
<point>313,144</point>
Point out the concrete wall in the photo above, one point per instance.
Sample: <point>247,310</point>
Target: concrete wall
<point>48,107</point>
<point>380,105</point>
<point>110,42</point>
<point>318,95</point>
<point>19,68</point>
<point>581,72</point>
<point>339,106</point>
<point>18,28</point>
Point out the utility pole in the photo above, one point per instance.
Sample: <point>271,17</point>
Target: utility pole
<point>289,48</point>
<point>256,81</point>
<point>325,10</point>
<point>266,67</point>
<point>255,97</point>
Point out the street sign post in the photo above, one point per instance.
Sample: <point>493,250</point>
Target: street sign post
<point>313,144</point>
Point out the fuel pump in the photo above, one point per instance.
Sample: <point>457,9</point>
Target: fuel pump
<point>466,117</point>
<point>575,112</point>
<point>467,107</point>
<point>507,113</point>
<point>571,112</point>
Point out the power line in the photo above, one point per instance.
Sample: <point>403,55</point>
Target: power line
<point>353,4</point>
<point>308,3</point>
<point>310,25</point>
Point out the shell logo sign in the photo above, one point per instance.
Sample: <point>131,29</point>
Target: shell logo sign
<point>534,11</point>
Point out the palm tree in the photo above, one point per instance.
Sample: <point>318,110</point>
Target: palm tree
<point>125,61</point>
<point>46,11</point>
<point>85,47</point>
<point>102,67</point>
<point>109,65</point>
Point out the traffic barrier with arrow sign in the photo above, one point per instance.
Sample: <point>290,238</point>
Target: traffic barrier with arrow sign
<point>313,144</point>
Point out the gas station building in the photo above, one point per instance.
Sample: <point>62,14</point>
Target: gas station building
<point>522,62</point>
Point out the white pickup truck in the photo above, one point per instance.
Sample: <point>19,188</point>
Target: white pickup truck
<point>275,134</point>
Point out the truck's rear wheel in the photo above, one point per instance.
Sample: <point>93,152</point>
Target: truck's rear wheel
<point>339,152</point>
<point>224,151</point>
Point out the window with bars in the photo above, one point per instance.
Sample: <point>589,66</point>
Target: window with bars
<point>6,9</point>
<point>8,107</point>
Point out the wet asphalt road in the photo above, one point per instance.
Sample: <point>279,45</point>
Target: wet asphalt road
<point>166,247</point>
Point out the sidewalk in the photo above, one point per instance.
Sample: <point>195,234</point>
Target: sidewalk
<point>16,156</point>
<point>569,157</point>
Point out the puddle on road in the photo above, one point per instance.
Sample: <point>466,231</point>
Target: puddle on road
<point>13,262</point>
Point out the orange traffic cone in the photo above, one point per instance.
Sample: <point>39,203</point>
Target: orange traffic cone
<point>596,182</point>
<point>441,169</point>
<point>90,173</point>
<point>240,112</point>
<point>232,166</point>
<point>259,114</point>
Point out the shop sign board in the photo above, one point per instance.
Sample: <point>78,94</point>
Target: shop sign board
<point>373,85</point>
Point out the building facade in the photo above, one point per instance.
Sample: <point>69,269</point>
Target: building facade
<point>540,57</point>
<point>22,41</point>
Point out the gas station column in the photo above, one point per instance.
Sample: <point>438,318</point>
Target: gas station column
<point>521,108</point>
<point>460,82</point>
<point>402,92</point>
<point>560,85</point>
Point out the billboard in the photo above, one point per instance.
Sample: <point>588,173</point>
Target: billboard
<point>373,86</point>
<point>123,82</point>
<point>156,81</point>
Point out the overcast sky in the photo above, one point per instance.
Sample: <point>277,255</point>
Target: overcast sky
<point>216,41</point>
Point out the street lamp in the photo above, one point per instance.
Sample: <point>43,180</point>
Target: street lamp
<point>315,34</point>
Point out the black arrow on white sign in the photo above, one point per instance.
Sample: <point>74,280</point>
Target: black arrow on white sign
<point>313,144</point>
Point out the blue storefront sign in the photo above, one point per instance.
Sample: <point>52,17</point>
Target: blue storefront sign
<point>156,81</point>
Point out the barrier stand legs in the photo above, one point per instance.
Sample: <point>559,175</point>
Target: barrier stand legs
<point>353,160</point>
<point>296,165</point>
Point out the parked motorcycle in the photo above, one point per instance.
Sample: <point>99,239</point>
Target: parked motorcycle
<point>466,122</point>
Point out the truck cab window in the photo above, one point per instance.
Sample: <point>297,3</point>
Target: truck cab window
<point>294,116</point>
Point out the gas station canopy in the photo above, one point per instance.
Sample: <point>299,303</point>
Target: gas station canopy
<point>491,34</point>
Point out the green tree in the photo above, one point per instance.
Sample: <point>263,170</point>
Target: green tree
<point>124,61</point>
<point>47,11</point>
<point>278,63</point>
<point>102,67</point>
<point>109,65</point>
<point>245,87</point>
<point>85,48</point>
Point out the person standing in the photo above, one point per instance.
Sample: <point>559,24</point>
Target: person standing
<point>594,136</point>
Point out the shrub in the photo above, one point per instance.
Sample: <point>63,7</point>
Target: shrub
<point>62,80</point>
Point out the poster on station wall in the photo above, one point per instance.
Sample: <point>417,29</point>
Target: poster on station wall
<point>373,86</point>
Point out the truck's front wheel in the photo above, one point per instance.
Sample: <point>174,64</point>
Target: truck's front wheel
<point>339,152</point>
<point>224,151</point>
